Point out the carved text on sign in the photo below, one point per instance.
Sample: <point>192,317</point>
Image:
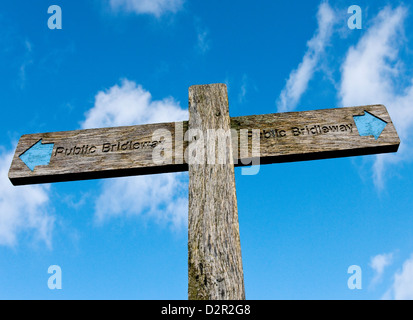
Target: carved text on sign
<point>308,130</point>
<point>106,147</point>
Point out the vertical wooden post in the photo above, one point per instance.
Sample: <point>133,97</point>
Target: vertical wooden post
<point>214,250</point>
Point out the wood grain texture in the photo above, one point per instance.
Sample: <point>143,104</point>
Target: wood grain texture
<point>279,142</point>
<point>214,250</point>
<point>317,134</point>
<point>100,153</point>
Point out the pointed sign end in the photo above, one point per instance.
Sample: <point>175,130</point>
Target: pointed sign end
<point>369,125</point>
<point>38,154</point>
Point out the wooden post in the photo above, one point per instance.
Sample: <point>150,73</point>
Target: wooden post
<point>214,250</point>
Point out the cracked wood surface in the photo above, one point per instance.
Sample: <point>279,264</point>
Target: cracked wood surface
<point>214,250</point>
<point>126,151</point>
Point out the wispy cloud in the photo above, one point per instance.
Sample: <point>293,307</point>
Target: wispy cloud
<point>299,78</point>
<point>160,197</point>
<point>27,61</point>
<point>243,90</point>
<point>154,7</point>
<point>372,72</point>
<point>203,42</point>
<point>23,209</point>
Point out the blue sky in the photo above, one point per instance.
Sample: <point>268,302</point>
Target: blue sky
<point>125,62</point>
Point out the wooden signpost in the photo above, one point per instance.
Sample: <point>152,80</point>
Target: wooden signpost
<point>209,145</point>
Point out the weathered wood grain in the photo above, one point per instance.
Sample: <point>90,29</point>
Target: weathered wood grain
<point>313,142</point>
<point>111,152</point>
<point>214,249</point>
<point>278,143</point>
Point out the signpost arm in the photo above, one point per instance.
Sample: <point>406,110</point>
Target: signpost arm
<point>214,249</point>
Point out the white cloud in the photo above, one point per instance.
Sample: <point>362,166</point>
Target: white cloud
<point>403,282</point>
<point>23,209</point>
<point>378,263</point>
<point>155,7</point>
<point>299,78</point>
<point>402,287</point>
<point>369,68</point>
<point>162,197</point>
<point>26,209</point>
<point>130,104</point>
<point>372,73</point>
